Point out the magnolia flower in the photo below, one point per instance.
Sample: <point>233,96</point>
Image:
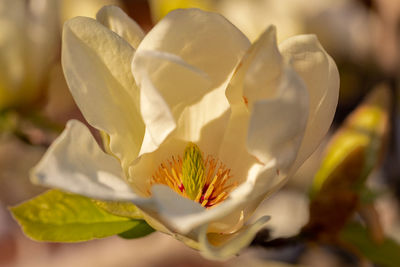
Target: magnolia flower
<point>29,35</point>
<point>200,124</point>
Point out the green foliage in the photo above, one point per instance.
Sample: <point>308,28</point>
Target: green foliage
<point>386,253</point>
<point>124,209</point>
<point>137,231</point>
<point>193,170</point>
<point>63,217</point>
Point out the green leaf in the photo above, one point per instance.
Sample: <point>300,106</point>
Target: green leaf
<point>137,231</point>
<point>63,217</point>
<point>387,253</point>
<point>124,209</point>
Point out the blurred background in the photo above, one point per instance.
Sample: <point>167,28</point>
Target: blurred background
<point>363,37</point>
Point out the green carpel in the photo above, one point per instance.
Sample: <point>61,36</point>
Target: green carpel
<point>193,170</point>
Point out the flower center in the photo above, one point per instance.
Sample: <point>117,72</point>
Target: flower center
<point>204,181</point>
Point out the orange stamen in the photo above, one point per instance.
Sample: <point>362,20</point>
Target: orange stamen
<point>216,187</point>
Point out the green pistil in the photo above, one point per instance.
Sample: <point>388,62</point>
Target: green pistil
<point>193,170</point>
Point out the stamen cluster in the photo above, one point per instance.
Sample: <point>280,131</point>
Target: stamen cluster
<point>203,181</point>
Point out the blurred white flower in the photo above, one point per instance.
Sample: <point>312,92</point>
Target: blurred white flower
<point>29,36</point>
<point>342,26</point>
<point>207,126</point>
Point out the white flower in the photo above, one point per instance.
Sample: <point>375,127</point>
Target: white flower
<point>29,36</point>
<point>194,83</point>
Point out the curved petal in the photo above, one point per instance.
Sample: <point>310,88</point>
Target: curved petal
<point>182,66</point>
<point>205,122</point>
<point>276,129</point>
<point>204,40</point>
<point>143,169</point>
<point>185,216</point>
<point>75,163</point>
<point>173,208</point>
<point>162,77</point>
<point>275,132</point>
<point>284,141</point>
<point>263,65</point>
<point>116,20</point>
<point>223,246</point>
<point>96,64</point>
<point>233,151</point>
<point>320,74</point>
<point>257,77</point>
<point>277,125</point>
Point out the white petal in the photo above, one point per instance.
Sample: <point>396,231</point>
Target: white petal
<point>181,66</point>
<point>233,150</point>
<point>223,246</point>
<point>320,74</point>
<point>168,84</point>
<point>143,169</point>
<point>184,216</point>
<point>173,208</point>
<point>277,125</point>
<point>281,137</point>
<point>258,74</point>
<point>276,130</point>
<point>204,40</point>
<point>289,211</point>
<point>257,77</point>
<point>116,20</point>
<point>263,65</point>
<point>96,64</point>
<point>205,122</point>
<point>75,163</point>
<point>262,181</point>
